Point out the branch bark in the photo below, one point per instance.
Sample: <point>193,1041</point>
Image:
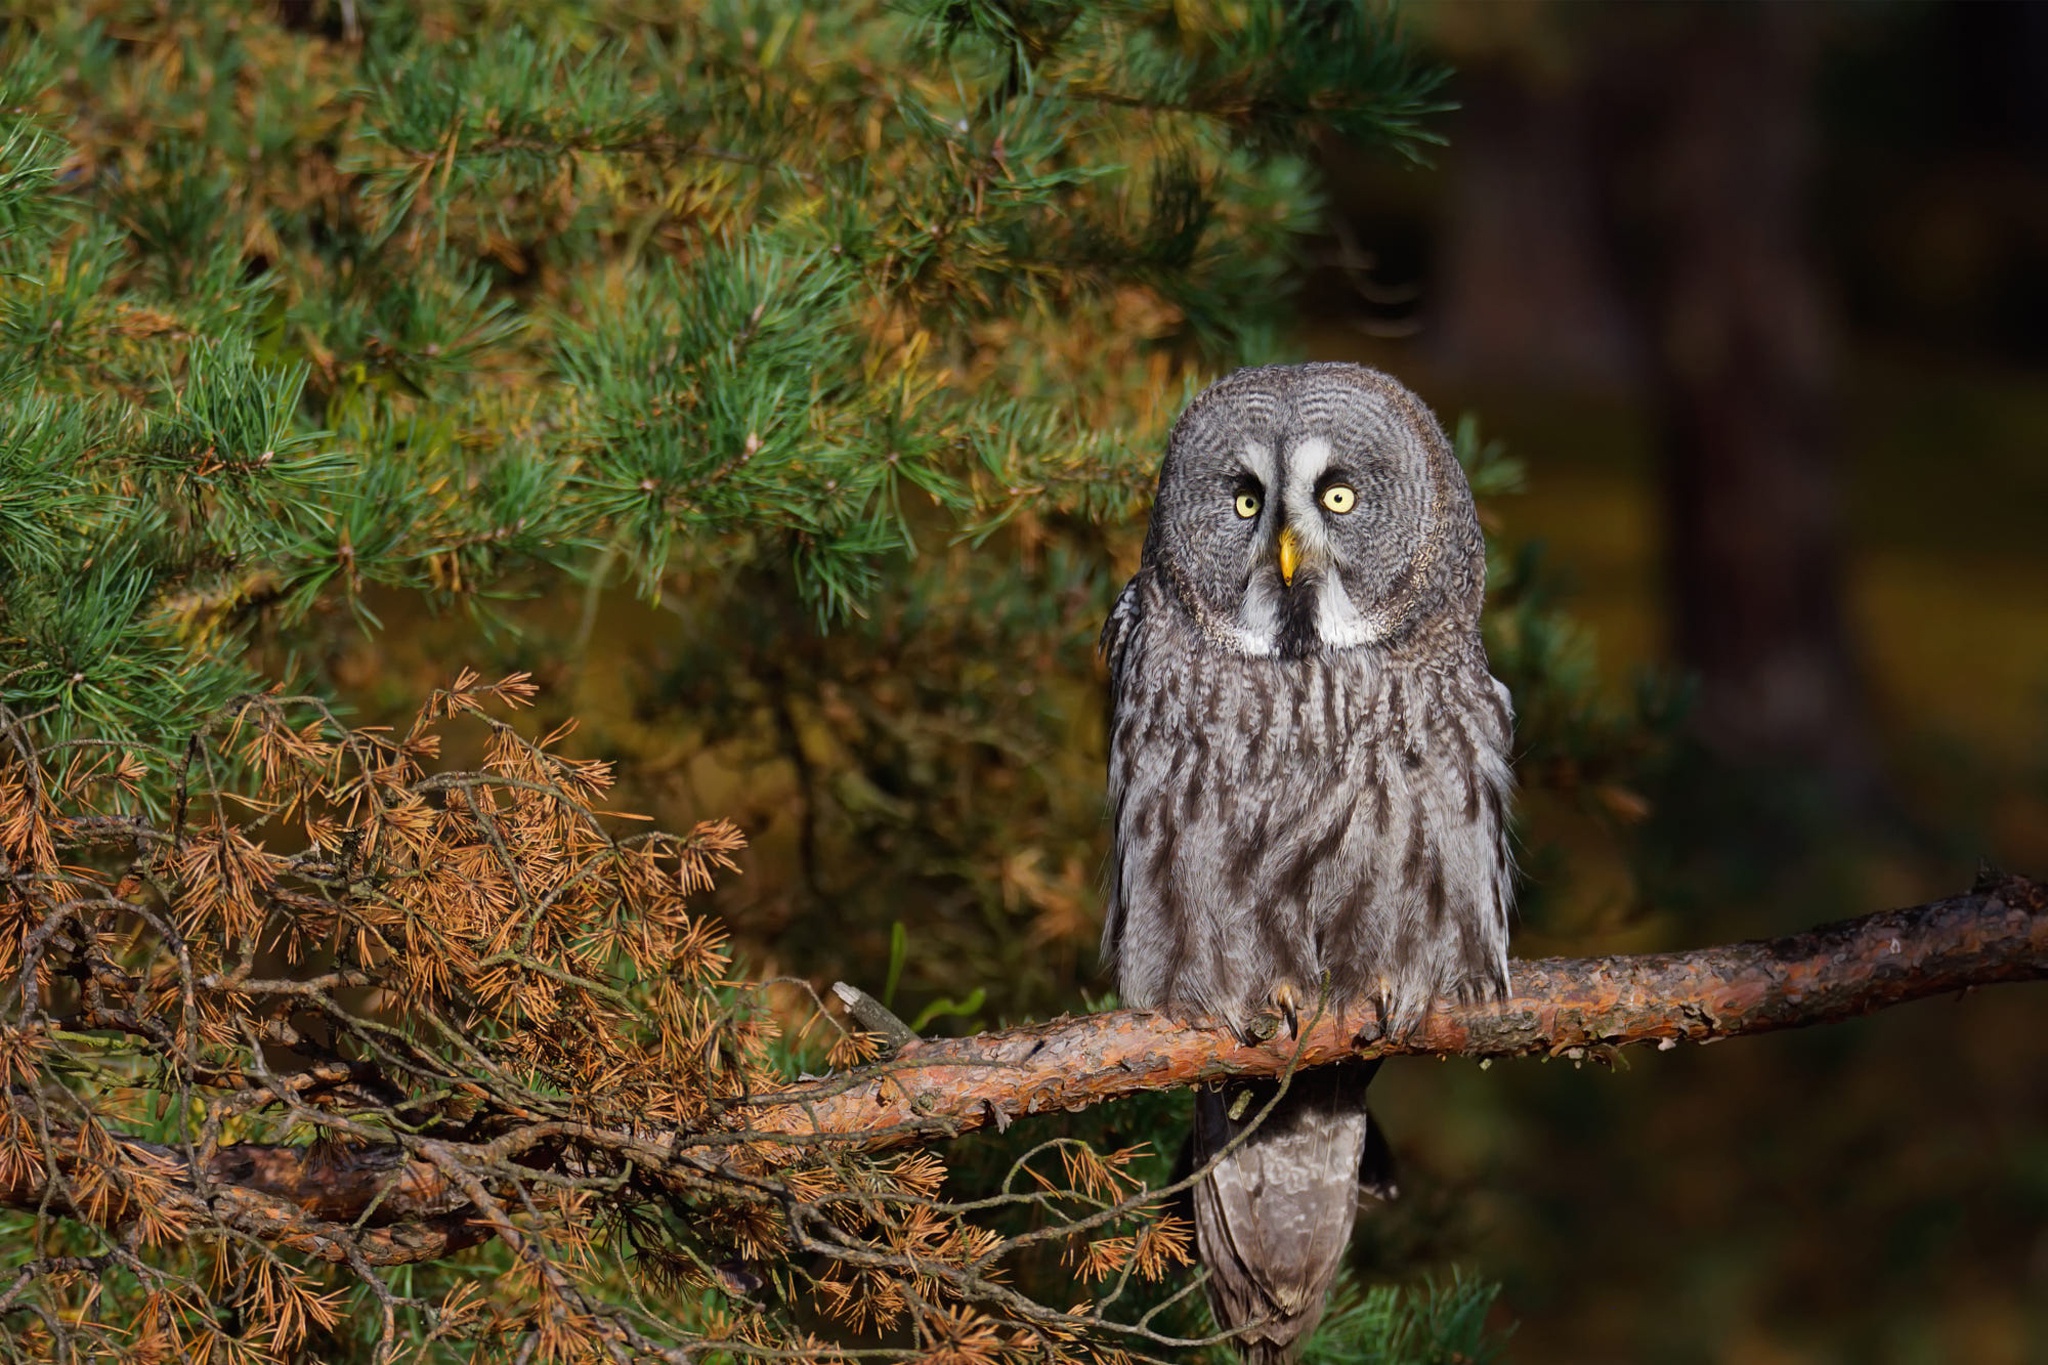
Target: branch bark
<point>1573,1007</point>
<point>1556,1007</point>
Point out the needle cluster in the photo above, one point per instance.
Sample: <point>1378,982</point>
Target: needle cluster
<point>268,1058</point>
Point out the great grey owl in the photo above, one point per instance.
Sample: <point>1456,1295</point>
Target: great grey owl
<point>1309,777</point>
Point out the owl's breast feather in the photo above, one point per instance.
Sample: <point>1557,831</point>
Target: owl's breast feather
<point>1335,817</point>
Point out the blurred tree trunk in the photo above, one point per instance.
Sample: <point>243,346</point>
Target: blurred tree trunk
<point>1630,209</point>
<point>1531,292</point>
<point>1741,363</point>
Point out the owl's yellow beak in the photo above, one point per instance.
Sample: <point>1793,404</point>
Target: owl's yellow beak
<point>1290,555</point>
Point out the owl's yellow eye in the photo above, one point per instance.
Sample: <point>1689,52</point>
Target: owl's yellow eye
<point>1338,497</point>
<point>1247,505</point>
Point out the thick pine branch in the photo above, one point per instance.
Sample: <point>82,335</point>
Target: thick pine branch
<point>1570,1007</point>
<point>304,1198</point>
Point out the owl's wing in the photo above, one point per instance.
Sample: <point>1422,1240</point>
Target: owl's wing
<point>1118,635</point>
<point>1118,630</point>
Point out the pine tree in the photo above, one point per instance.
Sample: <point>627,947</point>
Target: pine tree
<point>840,339</point>
<point>291,318</point>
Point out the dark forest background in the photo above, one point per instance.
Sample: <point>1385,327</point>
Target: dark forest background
<point>1760,296</point>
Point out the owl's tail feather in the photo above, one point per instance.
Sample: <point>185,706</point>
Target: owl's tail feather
<point>1273,1218</point>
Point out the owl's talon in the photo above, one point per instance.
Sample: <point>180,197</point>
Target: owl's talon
<point>1286,998</point>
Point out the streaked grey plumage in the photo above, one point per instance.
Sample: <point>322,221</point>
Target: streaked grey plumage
<point>1309,777</point>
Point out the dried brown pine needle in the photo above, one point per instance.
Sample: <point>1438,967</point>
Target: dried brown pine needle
<point>1100,1177</point>
<point>853,1048</point>
<point>1164,1246</point>
<point>255,1076</point>
<point>962,1336</point>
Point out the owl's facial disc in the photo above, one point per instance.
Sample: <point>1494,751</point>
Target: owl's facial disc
<point>1305,509</point>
